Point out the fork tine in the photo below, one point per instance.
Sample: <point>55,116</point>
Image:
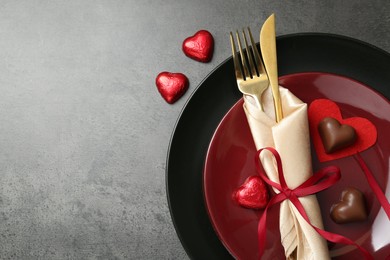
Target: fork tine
<point>260,65</point>
<point>236,61</point>
<point>251,78</point>
<point>252,62</point>
<point>243,59</point>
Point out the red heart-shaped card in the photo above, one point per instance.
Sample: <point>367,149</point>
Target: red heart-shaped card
<point>365,130</point>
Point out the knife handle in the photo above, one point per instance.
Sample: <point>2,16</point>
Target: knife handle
<point>277,102</point>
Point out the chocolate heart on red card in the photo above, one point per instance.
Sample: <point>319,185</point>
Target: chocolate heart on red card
<point>200,46</point>
<point>171,85</point>
<point>253,194</point>
<point>366,133</point>
<point>335,136</point>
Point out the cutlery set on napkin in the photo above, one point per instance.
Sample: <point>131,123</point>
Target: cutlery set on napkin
<point>281,122</point>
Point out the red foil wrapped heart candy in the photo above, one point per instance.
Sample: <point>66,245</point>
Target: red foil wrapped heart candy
<point>200,46</point>
<point>171,85</point>
<point>253,194</point>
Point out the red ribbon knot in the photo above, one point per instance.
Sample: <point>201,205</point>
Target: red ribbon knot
<point>287,192</point>
<point>320,181</point>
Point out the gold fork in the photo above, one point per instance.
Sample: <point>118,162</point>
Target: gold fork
<point>251,77</point>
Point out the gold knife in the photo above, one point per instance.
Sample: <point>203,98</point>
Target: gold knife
<point>268,50</point>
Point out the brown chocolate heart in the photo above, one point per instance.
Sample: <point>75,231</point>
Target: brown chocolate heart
<point>351,208</point>
<point>335,136</point>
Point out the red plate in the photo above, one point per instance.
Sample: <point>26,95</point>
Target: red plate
<point>229,162</point>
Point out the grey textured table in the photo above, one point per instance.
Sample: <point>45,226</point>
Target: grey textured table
<point>84,133</point>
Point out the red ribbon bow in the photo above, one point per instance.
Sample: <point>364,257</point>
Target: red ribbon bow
<point>320,181</point>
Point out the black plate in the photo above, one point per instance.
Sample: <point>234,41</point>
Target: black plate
<point>215,96</point>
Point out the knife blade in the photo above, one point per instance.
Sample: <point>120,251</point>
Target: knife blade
<point>268,50</point>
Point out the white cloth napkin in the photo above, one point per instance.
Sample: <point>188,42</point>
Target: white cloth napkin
<point>290,137</point>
